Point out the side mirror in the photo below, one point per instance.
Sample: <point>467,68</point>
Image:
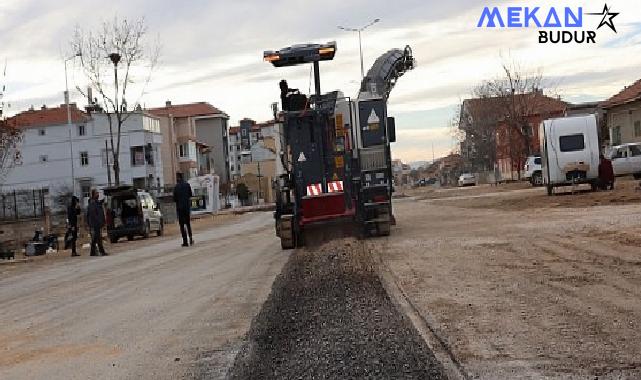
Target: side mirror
<point>391,129</point>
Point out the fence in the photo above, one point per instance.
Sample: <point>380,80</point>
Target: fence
<point>22,204</point>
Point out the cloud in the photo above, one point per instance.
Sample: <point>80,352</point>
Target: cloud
<point>212,51</point>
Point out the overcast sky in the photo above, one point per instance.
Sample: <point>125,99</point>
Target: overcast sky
<point>212,51</point>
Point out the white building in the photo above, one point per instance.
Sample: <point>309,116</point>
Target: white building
<point>253,142</point>
<point>50,145</point>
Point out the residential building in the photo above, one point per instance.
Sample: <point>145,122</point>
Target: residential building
<point>195,142</point>
<point>491,140</point>
<point>50,146</point>
<point>254,155</point>
<point>623,115</point>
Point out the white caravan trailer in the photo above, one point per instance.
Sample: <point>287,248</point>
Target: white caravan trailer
<point>569,151</point>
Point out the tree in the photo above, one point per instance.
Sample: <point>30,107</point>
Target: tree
<point>503,109</point>
<point>119,47</point>
<point>10,139</point>
<point>242,191</point>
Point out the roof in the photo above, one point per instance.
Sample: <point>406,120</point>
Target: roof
<point>627,95</point>
<point>186,110</point>
<point>234,130</point>
<point>47,116</point>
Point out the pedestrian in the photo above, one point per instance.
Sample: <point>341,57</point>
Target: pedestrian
<point>72,225</point>
<point>606,173</point>
<point>182,198</point>
<point>95,221</point>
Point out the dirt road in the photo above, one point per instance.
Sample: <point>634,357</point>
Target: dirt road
<point>155,310</point>
<point>521,285</point>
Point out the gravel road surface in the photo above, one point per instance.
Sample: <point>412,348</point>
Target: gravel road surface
<point>329,317</point>
<point>156,311</point>
<point>522,285</point>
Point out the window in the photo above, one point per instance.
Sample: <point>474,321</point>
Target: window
<point>149,154</point>
<point>85,188</point>
<point>81,130</point>
<point>637,128</point>
<point>243,132</point>
<point>137,156</point>
<point>84,158</point>
<point>238,167</point>
<point>616,135</point>
<point>182,150</point>
<point>635,150</point>
<point>44,158</point>
<point>572,143</point>
<point>537,161</point>
<point>41,132</point>
<point>107,157</point>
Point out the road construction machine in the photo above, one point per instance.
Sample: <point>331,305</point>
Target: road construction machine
<point>336,150</point>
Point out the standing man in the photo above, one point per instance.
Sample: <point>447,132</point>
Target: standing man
<point>72,230</point>
<point>606,173</point>
<point>95,221</point>
<point>182,197</point>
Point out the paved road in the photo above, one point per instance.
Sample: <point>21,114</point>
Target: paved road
<point>156,311</point>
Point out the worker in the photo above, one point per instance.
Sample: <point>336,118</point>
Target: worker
<point>284,94</point>
<point>72,225</point>
<point>182,197</point>
<point>606,173</point>
<point>95,221</point>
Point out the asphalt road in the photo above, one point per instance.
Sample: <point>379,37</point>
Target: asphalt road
<point>154,311</point>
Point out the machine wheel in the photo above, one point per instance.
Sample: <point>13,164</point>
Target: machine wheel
<point>161,228</point>
<point>113,239</point>
<point>383,227</point>
<point>287,233</point>
<point>550,189</point>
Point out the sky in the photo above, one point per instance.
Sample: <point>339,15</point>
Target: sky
<point>212,51</point>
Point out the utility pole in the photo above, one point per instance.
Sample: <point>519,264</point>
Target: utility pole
<point>360,45</point>
<point>259,182</point>
<point>73,177</point>
<point>107,157</point>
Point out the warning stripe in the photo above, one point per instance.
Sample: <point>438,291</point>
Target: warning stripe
<point>335,187</point>
<point>314,189</point>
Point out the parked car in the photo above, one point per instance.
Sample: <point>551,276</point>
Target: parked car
<point>532,170</point>
<point>570,151</point>
<point>130,213</point>
<point>626,159</point>
<point>467,179</point>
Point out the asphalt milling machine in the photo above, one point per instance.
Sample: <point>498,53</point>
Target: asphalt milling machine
<point>336,150</point>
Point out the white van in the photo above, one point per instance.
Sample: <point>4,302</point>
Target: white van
<point>569,151</point>
<point>626,159</point>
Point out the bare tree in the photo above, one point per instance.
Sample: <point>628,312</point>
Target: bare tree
<point>114,58</point>
<point>10,139</point>
<point>511,101</point>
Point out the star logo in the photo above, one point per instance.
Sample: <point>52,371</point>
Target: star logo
<point>607,18</point>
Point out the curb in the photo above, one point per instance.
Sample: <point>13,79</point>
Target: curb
<point>453,369</point>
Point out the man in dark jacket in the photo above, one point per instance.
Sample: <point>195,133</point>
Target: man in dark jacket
<point>182,197</point>
<point>606,173</point>
<point>72,228</point>
<point>95,221</point>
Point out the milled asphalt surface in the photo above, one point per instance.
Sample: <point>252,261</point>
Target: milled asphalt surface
<point>329,317</point>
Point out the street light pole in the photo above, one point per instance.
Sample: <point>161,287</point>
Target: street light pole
<point>73,176</point>
<point>360,44</point>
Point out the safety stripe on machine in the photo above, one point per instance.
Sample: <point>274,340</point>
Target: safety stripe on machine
<point>314,189</point>
<point>335,187</point>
